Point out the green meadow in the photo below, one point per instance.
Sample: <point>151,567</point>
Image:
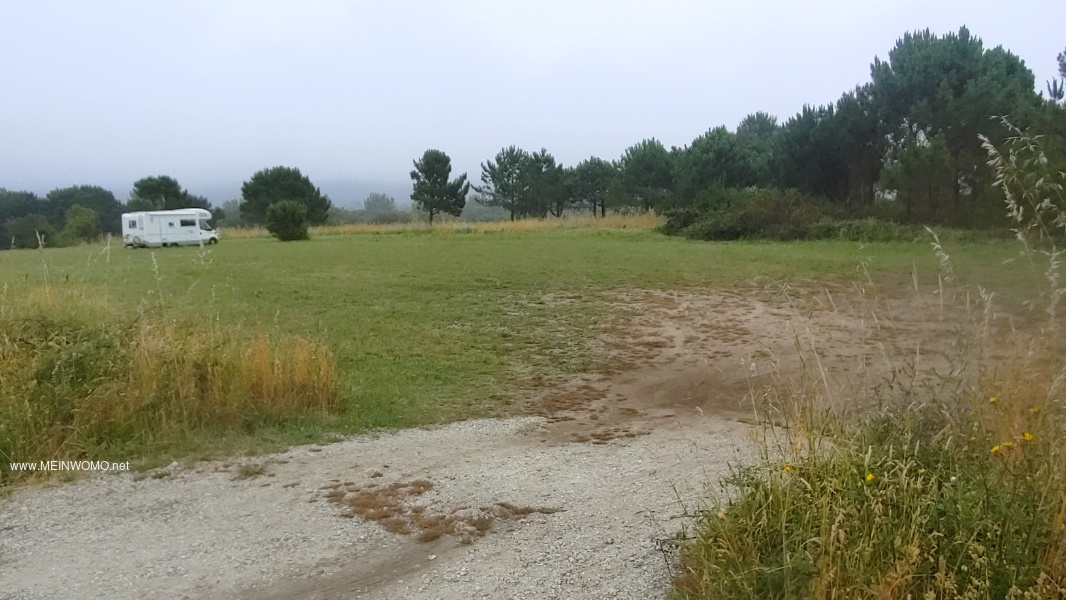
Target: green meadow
<point>423,327</point>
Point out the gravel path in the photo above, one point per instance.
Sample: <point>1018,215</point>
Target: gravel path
<point>207,533</point>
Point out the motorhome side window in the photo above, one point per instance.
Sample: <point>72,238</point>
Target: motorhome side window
<point>188,222</point>
<point>170,223</point>
<point>133,224</point>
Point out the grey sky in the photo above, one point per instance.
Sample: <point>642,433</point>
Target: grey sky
<point>105,92</point>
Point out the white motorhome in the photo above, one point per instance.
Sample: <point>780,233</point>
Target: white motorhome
<point>182,227</point>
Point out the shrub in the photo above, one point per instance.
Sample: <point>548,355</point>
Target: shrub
<point>23,231</point>
<point>287,220</point>
<point>390,218</point>
<point>712,200</point>
<point>789,215</point>
<point>754,213</point>
<point>870,230</point>
<point>83,225</point>
<point>678,220</point>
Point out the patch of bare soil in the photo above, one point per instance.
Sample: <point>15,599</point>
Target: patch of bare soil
<point>391,505</point>
<point>677,356</point>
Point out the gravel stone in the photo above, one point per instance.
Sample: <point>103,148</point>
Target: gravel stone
<point>199,532</point>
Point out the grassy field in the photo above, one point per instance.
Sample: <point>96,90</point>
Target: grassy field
<point>424,326</point>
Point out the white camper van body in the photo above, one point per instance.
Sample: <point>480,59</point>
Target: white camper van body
<point>155,228</point>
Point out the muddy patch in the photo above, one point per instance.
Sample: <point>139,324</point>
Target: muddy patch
<point>394,506</point>
<point>676,356</point>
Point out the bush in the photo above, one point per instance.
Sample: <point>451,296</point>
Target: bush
<point>23,231</point>
<point>753,213</point>
<point>287,220</point>
<point>732,214</point>
<point>83,225</point>
<point>390,218</point>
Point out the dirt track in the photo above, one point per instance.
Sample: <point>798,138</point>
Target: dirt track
<point>569,504</point>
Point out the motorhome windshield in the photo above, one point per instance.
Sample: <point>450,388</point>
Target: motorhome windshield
<point>205,226</point>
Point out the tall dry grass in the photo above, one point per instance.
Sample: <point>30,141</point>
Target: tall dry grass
<point>78,380</point>
<point>642,221</point>
<point>951,483</point>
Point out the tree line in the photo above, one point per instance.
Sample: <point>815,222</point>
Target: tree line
<point>903,146</point>
<point>85,213</point>
<point>906,141</point>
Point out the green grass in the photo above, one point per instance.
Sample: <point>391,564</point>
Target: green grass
<point>427,328</point>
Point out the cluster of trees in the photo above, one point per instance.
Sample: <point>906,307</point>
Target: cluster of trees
<point>533,184</point>
<point>277,184</point>
<point>65,215</point>
<point>517,183</point>
<point>162,193</point>
<point>84,213</point>
<point>908,140</point>
<point>910,135</point>
<point>285,201</point>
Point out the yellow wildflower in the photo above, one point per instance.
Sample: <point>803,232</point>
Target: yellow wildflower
<point>920,471</point>
<point>1034,409</point>
<point>995,448</point>
<point>788,468</point>
<point>992,400</point>
<point>1007,444</point>
<point>1027,436</point>
<point>869,477</point>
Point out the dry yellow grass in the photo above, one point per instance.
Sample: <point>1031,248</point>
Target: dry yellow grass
<point>78,380</point>
<point>644,221</point>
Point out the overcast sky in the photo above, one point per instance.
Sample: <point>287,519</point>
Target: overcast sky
<point>106,92</point>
